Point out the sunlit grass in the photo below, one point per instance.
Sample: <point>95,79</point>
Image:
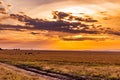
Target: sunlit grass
<point>94,64</point>
<point>12,75</point>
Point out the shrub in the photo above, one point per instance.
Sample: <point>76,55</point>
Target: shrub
<point>0,48</point>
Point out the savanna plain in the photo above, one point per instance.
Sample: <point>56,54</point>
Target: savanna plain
<point>97,65</point>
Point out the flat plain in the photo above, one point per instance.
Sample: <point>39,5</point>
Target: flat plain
<point>94,64</point>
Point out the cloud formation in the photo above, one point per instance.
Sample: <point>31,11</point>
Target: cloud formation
<point>3,10</point>
<point>58,25</point>
<point>68,16</point>
<point>61,24</point>
<point>98,38</point>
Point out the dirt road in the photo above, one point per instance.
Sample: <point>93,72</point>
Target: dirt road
<point>41,74</point>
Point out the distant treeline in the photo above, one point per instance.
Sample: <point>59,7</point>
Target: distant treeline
<point>9,49</point>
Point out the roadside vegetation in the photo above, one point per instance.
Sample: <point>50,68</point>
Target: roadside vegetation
<point>12,75</point>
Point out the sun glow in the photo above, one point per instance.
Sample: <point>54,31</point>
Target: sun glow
<point>78,36</point>
<point>77,10</point>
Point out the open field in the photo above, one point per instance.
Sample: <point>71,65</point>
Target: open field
<point>9,74</point>
<point>94,64</point>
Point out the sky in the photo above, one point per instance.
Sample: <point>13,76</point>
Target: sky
<point>60,24</point>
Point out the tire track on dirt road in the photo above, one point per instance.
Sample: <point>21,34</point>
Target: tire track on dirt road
<point>40,74</point>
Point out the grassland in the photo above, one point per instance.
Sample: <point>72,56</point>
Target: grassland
<point>6,74</point>
<point>77,63</point>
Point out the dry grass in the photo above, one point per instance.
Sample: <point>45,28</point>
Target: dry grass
<point>6,74</point>
<point>94,64</point>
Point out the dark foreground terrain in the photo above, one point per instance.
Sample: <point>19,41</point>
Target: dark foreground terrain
<point>77,65</point>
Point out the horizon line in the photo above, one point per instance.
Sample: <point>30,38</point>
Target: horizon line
<point>102,50</point>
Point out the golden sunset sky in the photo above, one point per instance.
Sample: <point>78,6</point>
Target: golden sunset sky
<point>60,24</point>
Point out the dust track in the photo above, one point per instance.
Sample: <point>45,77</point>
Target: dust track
<point>41,74</point>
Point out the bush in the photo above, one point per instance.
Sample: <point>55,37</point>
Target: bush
<point>0,48</point>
